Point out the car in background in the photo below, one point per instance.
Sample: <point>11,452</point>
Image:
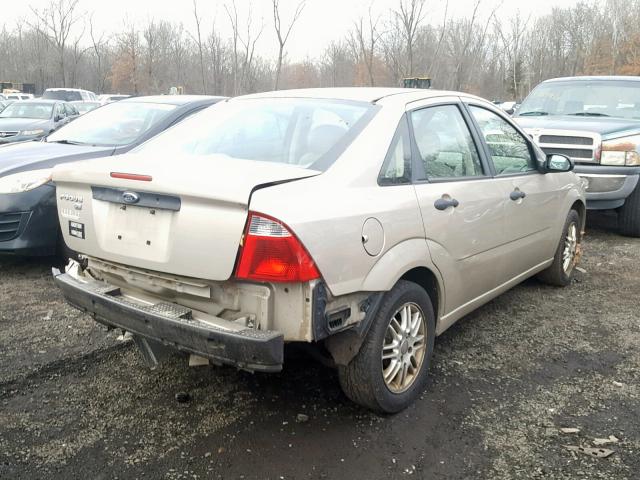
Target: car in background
<point>596,122</point>
<point>364,221</point>
<point>19,96</point>
<point>84,107</point>
<point>28,224</point>
<point>108,97</point>
<point>26,120</point>
<point>70,95</point>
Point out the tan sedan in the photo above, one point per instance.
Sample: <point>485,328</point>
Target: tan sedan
<point>362,221</point>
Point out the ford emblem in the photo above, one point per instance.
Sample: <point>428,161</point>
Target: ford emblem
<point>130,197</point>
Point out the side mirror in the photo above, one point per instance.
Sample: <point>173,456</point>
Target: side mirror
<point>557,162</point>
<point>57,118</point>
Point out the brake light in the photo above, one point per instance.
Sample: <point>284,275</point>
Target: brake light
<point>272,253</point>
<point>131,176</point>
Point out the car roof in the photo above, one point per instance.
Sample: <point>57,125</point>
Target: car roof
<point>170,99</point>
<point>594,77</point>
<point>66,89</point>
<point>361,94</point>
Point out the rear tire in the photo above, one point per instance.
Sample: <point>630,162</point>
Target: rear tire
<point>629,215</point>
<point>560,273</point>
<point>407,343</point>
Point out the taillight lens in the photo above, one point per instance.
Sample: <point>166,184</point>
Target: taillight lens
<point>271,253</point>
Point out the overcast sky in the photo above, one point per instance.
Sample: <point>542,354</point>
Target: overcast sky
<point>321,22</point>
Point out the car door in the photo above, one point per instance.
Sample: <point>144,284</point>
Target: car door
<point>531,197</point>
<point>462,212</point>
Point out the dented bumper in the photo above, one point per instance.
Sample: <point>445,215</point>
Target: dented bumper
<point>174,326</point>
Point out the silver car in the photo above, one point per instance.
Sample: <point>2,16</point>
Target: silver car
<point>362,221</point>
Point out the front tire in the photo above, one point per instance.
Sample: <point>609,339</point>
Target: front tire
<point>560,273</point>
<point>629,215</point>
<point>391,368</point>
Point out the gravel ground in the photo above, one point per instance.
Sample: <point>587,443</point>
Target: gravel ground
<point>77,402</point>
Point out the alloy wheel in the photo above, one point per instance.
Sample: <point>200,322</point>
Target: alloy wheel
<point>404,348</point>
<point>570,249</point>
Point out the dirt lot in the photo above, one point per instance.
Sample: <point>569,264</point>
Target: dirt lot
<point>76,402</point>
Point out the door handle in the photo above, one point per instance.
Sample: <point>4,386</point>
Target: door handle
<point>517,195</point>
<point>444,203</point>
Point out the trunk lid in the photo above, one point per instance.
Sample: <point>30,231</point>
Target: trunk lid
<point>187,220</point>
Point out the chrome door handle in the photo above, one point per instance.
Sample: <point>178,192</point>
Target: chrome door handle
<point>444,203</point>
<point>517,195</point>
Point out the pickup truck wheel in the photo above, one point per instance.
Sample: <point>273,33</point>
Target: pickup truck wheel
<point>567,254</point>
<point>629,215</point>
<point>390,370</point>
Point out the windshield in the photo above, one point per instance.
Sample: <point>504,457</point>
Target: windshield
<point>304,132</point>
<point>116,124</point>
<point>597,98</point>
<point>40,111</point>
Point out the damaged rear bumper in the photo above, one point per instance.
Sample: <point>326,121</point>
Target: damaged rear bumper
<point>173,326</point>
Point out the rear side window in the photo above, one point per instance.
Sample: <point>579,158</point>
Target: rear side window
<point>509,150</point>
<point>446,149</point>
<point>396,169</point>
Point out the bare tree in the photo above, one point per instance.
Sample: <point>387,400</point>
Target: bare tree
<point>283,32</point>
<point>512,41</point>
<point>443,30</point>
<point>198,40</point>
<point>232,13</point>
<point>410,15</point>
<point>98,45</point>
<point>364,40</point>
<point>249,44</point>
<point>58,19</point>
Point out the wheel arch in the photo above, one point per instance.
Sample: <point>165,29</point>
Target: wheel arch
<point>580,207</point>
<point>409,260</point>
<point>428,280</point>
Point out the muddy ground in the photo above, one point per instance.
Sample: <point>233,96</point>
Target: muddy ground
<point>77,403</point>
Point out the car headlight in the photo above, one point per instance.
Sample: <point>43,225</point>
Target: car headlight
<point>621,152</point>
<point>32,132</point>
<point>24,181</point>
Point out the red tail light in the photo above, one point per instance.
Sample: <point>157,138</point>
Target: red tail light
<point>272,253</point>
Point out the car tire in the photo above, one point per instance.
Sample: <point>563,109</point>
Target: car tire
<point>560,274</point>
<point>363,379</point>
<point>629,215</point>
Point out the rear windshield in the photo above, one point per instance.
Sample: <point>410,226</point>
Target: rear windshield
<point>309,133</point>
<point>590,98</point>
<point>64,95</point>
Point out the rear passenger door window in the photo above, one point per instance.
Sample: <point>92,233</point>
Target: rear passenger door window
<point>509,150</point>
<point>445,147</point>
